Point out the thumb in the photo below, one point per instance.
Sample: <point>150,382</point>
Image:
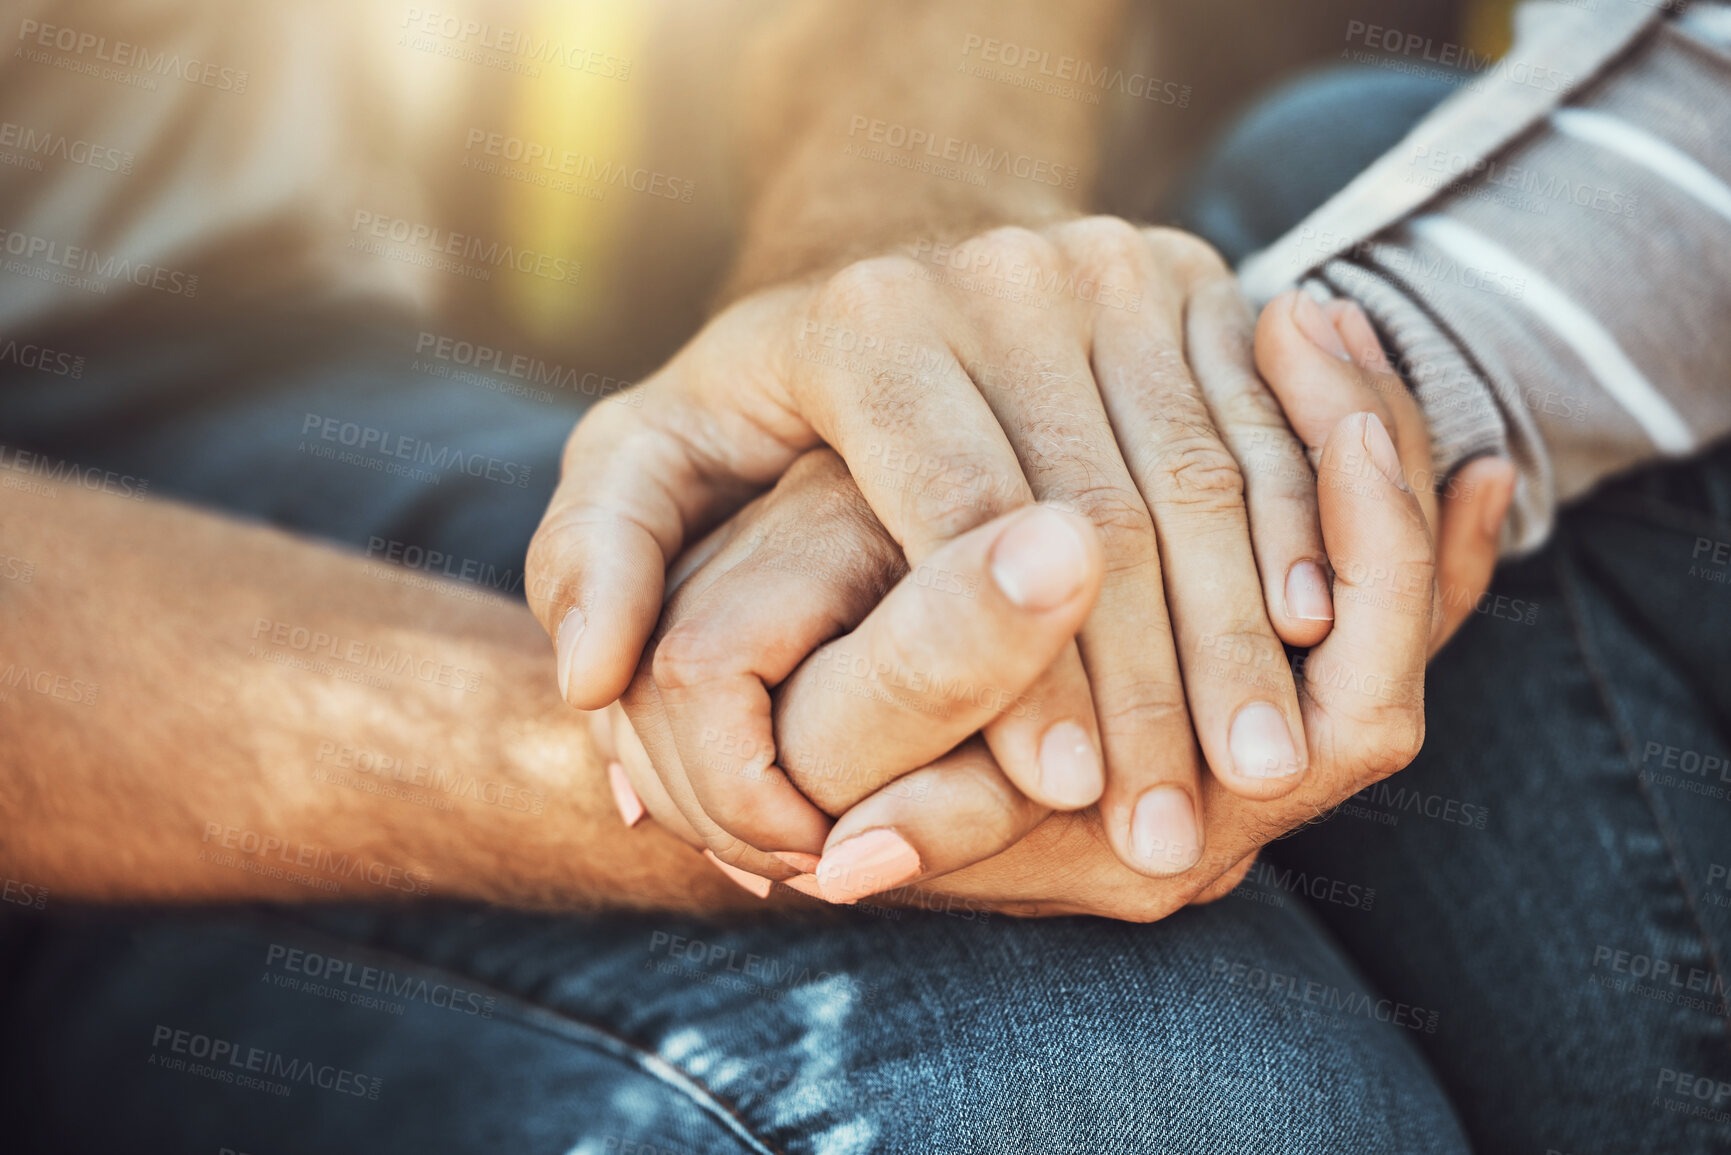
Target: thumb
<point>1475,503</point>
<point>643,473</point>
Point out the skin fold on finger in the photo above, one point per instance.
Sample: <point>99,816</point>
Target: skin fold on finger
<point>874,368</point>
<point>1031,367</point>
<point>1243,704</point>
<point>641,476</point>
<point>1226,883</point>
<point>1404,418</point>
<point>639,768</point>
<point>667,783</point>
<point>1052,739</point>
<point>1364,718</point>
<point>906,686</point>
<point>1279,483</point>
<point>1040,384</point>
<point>807,565</point>
<point>943,817</point>
<point>1317,385</point>
<point>632,490</point>
<point>1364,686</point>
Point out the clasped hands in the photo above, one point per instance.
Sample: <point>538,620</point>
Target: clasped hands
<point>1029,570</point>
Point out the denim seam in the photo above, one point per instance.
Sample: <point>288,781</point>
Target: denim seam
<point>549,1020</point>
<point>1590,661</point>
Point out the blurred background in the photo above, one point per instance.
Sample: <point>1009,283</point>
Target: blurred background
<point>340,154</point>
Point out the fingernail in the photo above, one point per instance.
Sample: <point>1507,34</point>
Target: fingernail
<point>570,629</point>
<point>1163,830</point>
<point>1381,450</point>
<point>805,884</point>
<point>624,797</point>
<point>1070,771</point>
<point>1261,743</point>
<point>804,863</point>
<point>1039,561</point>
<point>1307,593</point>
<point>747,880</point>
<point>866,864</point>
<point>1312,322</point>
<point>1496,505</point>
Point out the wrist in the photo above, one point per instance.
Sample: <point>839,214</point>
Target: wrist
<point>798,231</point>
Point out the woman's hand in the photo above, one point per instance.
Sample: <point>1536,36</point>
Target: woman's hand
<point>1095,367</point>
<point>816,544</point>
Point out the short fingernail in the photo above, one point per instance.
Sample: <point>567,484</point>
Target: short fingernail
<point>1313,323</point>
<point>1307,594</point>
<point>624,796</point>
<point>570,629</point>
<point>804,863</point>
<point>1381,450</point>
<point>1070,772</point>
<point>757,884</point>
<point>865,864</point>
<point>1039,561</point>
<point>805,884</point>
<point>1163,834</point>
<point>1261,743</point>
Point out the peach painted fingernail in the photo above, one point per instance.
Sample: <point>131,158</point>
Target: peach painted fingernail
<point>570,630</point>
<point>804,863</point>
<point>624,797</point>
<point>806,884</point>
<point>1314,324</point>
<point>866,864</point>
<point>1307,593</point>
<point>757,884</point>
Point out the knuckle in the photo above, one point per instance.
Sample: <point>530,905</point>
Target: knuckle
<point>1187,251</point>
<point>1012,245</point>
<point>1110,246</point>
<point>961,492</point>
<point>743,817</point>
<point>689,654</point>
<point>1145,707</point>
<point>1116,510</point>
<point>870,288</point>
<point>726,847</point>
<point>1395,741</point>
<point>1198,474</point>
<point>1244,654</point>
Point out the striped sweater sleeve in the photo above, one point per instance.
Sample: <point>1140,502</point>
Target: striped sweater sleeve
<point>1551,272</point>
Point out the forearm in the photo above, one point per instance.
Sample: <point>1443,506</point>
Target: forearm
<point>196,710</point>
<point>948,153</point>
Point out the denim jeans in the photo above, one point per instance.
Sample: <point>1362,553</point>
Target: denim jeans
<point>1516,942</point>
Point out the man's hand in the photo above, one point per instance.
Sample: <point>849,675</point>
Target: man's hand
<point>1116,382</point>
<point>808,559</point>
